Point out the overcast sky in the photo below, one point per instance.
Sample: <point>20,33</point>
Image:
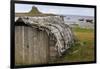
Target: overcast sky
<point>56,9</point>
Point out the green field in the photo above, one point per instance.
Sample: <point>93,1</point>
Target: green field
<point>83,49</point>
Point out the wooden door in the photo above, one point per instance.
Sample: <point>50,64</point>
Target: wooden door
<point>31,46</point>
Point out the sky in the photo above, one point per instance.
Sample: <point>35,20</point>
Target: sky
<point>61,10</point>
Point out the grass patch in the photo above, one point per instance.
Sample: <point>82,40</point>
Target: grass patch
<point>78,29</point>
<point>83,49</point>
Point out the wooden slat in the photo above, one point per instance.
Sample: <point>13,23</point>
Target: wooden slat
<point>31,45</point>
<point>43,47</point>
<point>18,46</point>
<point>25,46</point>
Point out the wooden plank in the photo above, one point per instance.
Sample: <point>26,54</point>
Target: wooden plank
<point>25,46</point>
<point>43,47</point>
<point>18,46</point>
<point>31,45</point>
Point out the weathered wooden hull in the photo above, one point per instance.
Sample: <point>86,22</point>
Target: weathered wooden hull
<point>40,40</point>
